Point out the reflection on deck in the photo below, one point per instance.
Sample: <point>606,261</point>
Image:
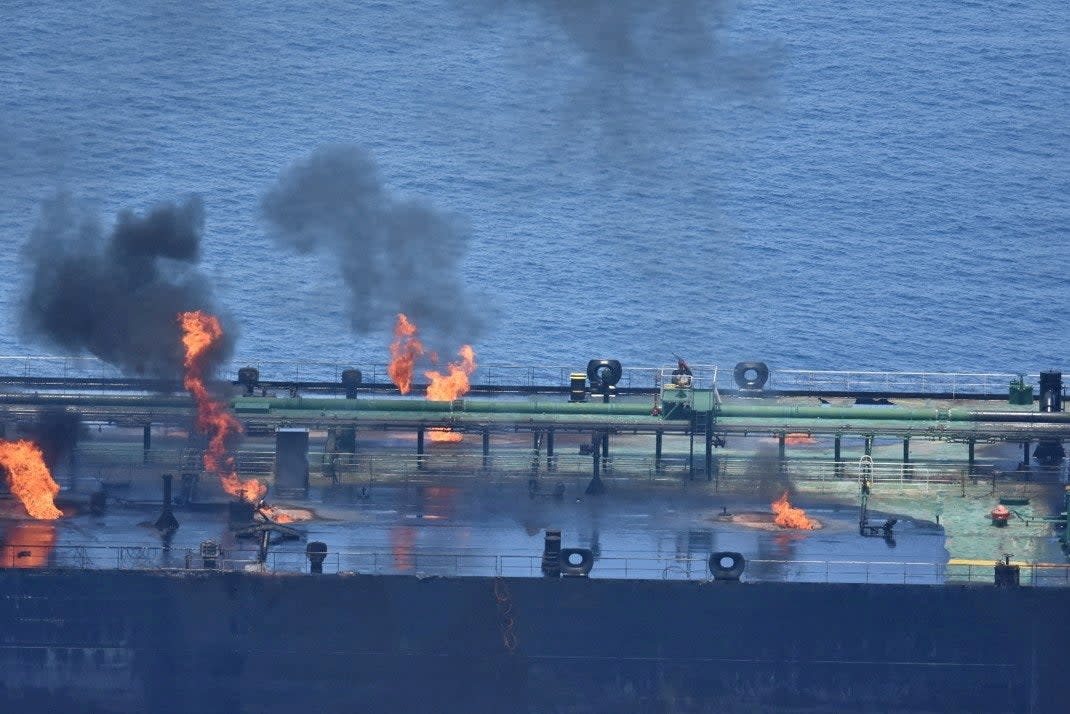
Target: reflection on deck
<point>27,545</point>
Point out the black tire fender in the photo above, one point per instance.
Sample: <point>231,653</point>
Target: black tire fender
<point>727,571</point>
<point>761,375</point>
<point>604,372</point>
<point>580,569</point>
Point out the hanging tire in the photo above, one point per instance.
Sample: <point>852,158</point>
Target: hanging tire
<point>730,570</point>
<point>579,569</point>
<point>604,372</point>
<point>761,375</point>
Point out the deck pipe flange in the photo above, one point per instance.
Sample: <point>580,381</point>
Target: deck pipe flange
<point>351,379</point>
<point>1051,391</point>
<point>98,502</point>
<point>551,553</point>
<point>317,553</point>
<point>249,377</point>
<point>210,553</point>
<point>1007,575</point>
<point>167,520</point>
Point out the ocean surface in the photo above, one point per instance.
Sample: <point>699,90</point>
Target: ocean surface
<point>826,185</point>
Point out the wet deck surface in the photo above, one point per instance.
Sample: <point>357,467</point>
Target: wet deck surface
<point>471,529</point>
<point>453,518</point>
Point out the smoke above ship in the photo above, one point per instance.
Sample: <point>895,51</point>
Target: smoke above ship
<point>394,254</point>
<point>115,295</point>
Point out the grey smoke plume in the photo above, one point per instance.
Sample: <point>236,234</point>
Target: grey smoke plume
<point>117,297</point>
<point>395,255</point>
<point>623,42</point>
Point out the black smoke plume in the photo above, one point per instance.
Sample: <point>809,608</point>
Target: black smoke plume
<point>56,433</point>
<point>395,255</point>
<point>117,296</point>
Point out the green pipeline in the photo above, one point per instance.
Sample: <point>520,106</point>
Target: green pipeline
<point>261,405</point>
<point>459,406</point>
<point>484,406</point>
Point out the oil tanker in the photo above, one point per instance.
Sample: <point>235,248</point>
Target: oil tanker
<point>603,540</point>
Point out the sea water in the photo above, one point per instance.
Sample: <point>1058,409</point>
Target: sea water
<point>832,185</point>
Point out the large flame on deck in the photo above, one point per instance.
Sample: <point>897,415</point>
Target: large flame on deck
<point>788,516</point>
<point>449,385</point>
<point>29,478</point>
<point>200,333</point>
<point>403,353</point>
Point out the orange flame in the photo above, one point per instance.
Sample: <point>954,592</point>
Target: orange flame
<point>28,545</point>
<point>442,435</point>
<point>445,387</point>
<point>788,516</point>
<point>403,353</point>
<point>29,478</point>
<point>799,440</point>
<point>274,514</point>
<point>200,334</point>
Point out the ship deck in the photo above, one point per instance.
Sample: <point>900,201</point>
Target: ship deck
<point>391,503</point>
<point>431,523</point>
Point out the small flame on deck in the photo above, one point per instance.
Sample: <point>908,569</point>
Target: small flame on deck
<point>449,385</point>
<point>403,353</point>
<point>788,516</point>
<point>29,478</point>
<point>201,332</point>
<point>444,386</point>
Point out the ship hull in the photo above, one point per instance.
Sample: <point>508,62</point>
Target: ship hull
<point>131,641</point>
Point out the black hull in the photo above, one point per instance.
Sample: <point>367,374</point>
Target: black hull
<point>111,641</point>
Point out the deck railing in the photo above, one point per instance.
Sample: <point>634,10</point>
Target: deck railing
<point>953,383</point>
<point>500,375</point>
<point>118,463</point>
<point>460,564</point>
